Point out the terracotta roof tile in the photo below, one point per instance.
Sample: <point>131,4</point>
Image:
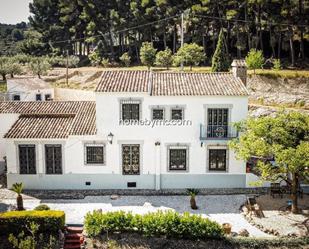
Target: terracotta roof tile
<point>51,119</point>
<point>172,83</point>
<point>123,81</point>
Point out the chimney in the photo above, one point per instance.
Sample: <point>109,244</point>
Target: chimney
<point>239,69</point>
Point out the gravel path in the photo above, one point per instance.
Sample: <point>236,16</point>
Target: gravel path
<point>221,208</point>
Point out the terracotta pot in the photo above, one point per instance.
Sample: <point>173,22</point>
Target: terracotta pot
<point>227,228</point>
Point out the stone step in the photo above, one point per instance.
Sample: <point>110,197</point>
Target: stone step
<point>71,229</point>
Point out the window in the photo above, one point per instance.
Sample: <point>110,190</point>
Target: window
<point>217,159</point>
<point>130,159</point>
<point>38,97</point>
<point>130,110</point>
<point>47,97</point>
<point>16,97</point>
<point>158,114</point>
<point>178,157</point>
<point>177,114</point>
<point>27,159</point>
<point>217,124</point>
<point>53,159</point>
<point>94,154</point>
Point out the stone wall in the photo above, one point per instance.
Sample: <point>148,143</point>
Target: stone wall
<point>81,194</point>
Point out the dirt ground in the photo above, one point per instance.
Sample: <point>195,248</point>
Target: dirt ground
<point>280,221</point>
<point>136,241</point>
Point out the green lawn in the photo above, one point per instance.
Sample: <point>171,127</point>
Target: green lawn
<point>285,73</point>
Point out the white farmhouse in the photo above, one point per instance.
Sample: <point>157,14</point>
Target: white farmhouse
<point>29,89</point>
<point>146,130</point>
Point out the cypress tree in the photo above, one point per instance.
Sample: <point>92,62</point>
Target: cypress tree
<point>220,62</point>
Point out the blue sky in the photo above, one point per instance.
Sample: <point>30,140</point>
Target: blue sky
<point>14,11</point>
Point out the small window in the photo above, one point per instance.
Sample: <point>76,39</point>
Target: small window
<point>53,159</point>
<point>158,114</point>
<point>47,97</point>
<point>130,110</point>
<point>217,159</point>
<point>27,159</point>
<point>178,157</point>
<point>16,97</point>
<point>94,154</point>
<point>38,97</point>
<point>177,114</point>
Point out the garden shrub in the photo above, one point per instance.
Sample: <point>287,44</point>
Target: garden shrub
<point>16,221</point>
<point>42,207</point>
<point>169,223</point>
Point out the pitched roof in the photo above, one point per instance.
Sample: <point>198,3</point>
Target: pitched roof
<point>51,119</point>
<point>41,126</point>
<point>239,63</point>
<point>195,84</point>
<point>172,83</point>
<point>123,81</point>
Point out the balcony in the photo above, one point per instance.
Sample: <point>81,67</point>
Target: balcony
<point>217,132</point>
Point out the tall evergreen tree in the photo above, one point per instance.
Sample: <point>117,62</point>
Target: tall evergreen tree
<point>220,62</point>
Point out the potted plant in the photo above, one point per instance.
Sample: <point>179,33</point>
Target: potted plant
<point>18,189</point>
<point>192,192</point>
<point>227,228</point>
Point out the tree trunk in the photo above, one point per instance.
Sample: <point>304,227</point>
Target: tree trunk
<point>20,204</point>
<point>292,47</point>
<point>12,75</point>
<point>3,76</point>
<point>294,194</point>
<point>164,40</point>
<point>111,44</point>
<point>237,42</point>
<point>193,202</point>
<point>174,39</point>
<point>260,30</point>
<point>302,48</point>
<point>247,26</point>
<point>279,45</point>
<point>39,76</point>
<point>271,42</point>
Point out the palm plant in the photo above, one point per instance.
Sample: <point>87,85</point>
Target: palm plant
<point>193,192</point>
<point>18,189</point>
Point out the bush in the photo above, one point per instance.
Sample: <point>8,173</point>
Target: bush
<point>255,59</point>
<point>169,223</point>
<point>125,59</point>
<point>277,64</point>
<point>42,207</point>
<point>16,221</point>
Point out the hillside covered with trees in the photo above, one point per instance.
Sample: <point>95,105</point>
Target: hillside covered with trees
<point>279,28</point>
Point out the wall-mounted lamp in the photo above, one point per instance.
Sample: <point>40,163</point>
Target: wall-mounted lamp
<point>157,143</point>
<point>110,137</point>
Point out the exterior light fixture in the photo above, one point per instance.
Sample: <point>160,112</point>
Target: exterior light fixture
<point>157,143</point>
<point>110,137</point>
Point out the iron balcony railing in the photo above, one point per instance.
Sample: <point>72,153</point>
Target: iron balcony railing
<point>217,132</point>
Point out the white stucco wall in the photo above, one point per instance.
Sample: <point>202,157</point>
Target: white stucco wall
<point>6,121</point>
<point>154,164</point>
<point>108,114</point>
<point>30,95</point>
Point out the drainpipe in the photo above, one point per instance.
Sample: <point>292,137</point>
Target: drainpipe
<point>158,165</point>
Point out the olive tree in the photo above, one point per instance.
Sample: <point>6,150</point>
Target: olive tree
<point>283,139</point>
<point>164,58</point>
<point>39,66</point>
<point>190,55</point>
<point>148,54</point>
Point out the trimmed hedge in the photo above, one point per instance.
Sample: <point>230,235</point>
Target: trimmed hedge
<point>16,221</point>
<point>169,223</point>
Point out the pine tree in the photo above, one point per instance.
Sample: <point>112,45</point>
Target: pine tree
<point>220,61</point>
